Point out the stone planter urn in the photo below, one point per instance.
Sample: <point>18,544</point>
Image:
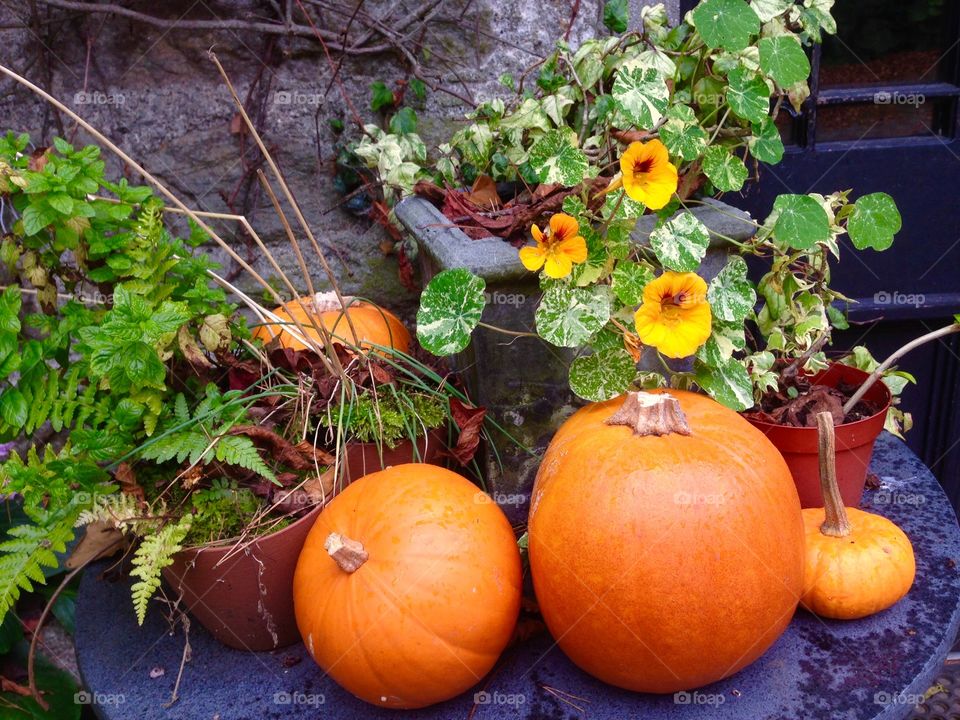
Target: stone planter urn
<point>522,381</point>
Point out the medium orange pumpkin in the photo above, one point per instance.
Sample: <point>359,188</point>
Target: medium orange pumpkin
<point>371,323</point>
<point>665,541</point>
<point>408,586</point>
<point>858,563</point>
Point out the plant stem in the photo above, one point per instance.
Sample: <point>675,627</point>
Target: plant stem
<point>514,333</point>
<point>897,354</point>
<point>835,521</point>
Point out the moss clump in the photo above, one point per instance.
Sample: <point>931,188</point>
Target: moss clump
<point>390,418</point>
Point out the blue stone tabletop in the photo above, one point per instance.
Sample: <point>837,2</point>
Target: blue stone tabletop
<point>878,667</point>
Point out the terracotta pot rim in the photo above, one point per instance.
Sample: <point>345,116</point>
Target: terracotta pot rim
<point>878,386</point>
<point>222,546</point>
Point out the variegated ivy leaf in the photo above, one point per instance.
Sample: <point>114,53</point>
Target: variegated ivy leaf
<point>725,170</point>
<point>783,59</point>
<point>769,9</point>
<point>731,294</point>
<point>588,62</point>
<point>748,95</point>
<point>727,382</point>
<point>651,58</point>
<point>450,308</point>
<point>628,281</point>
<point>556,159</point>
<point>726,24</point>
<point>476,143</point>
<point>603,375</point>
<point>529,116</point>
<point>799,221</point>
<point>682,134</point>
<point>641,95</point>
<point>681,242</point>
<point>556,106</point>
<point>761,371</point>
<point>765,144</point>
<point>818,11</point>
<point>728,338</point>
<point>568,317</point>
<point>873,222</point>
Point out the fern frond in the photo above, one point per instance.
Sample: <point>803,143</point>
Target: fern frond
<point>240,451</point>
<point>155,552</point>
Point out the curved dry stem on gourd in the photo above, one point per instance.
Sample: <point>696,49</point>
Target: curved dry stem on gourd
<point>835,523</point>
<point>651,414</point>
<point>348,554</point>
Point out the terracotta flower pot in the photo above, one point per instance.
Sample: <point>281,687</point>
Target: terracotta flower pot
<point>855,440</point>
<point>245,602</point>
<point>364,458</point>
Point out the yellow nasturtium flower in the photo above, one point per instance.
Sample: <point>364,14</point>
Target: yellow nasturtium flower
<point>557,249</point>
<point>648,175</point>
<point>675,315</point>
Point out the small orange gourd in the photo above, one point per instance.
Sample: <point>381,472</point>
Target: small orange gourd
<point>858,563</point>
<point>408,586</point>
<point>665,541</point>
<point>371,324</point>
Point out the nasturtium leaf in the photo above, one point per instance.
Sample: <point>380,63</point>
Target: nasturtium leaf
<point>641,95</point>
<point>616,15</point>
<point>873,222</point>
<point>609,338</point>
<point>728,383</point>
<point>568,317</point>
<point>748,95</point>
<point>783,59</point>
<point>801,222</point>
<point>727,338</point>
<point>726,24</point>
<point>731,294</point>
<point>628,281</point>
<point>557,160</point>
<point>603,375</point>
<point>681,242</point>
<point>725,170</point>
<point>450,308</point>
<point>765,144</point>
<point>767,10</point>
<point>682,134</point>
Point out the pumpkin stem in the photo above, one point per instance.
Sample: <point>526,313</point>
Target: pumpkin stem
<point>835,523</point>
<point>348,553</point>
<point>651,414</point>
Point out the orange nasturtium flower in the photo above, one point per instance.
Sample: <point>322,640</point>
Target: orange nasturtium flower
<point>557,249</point>
<point>648,175</point>
<point>675,315</point>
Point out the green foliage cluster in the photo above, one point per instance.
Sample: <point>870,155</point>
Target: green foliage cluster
<point>393,416</point>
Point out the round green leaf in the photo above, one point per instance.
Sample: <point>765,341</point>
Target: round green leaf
<point>682,134</point>
<point>681,242</point>
<point>873,222</point>
<point>641,95</point>
<point>557,160</point>
<point>450,308</point>
<point>726,24</point>
<point>725,170</point>
<point>783,59</point>
<point>568,317</point>
<point>628,281</point>
<point>731,294</point>
<point>801,222</point>
<point>769,9</point>
<point>748,95</point>
<point>603,375</point>
<point>766,144</point>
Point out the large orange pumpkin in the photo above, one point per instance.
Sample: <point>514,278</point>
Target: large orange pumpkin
<point>666,543</point>
<point>408,586</point>
<point>371,323</point>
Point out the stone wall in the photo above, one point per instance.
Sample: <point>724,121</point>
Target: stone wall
<point>154,92</point>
